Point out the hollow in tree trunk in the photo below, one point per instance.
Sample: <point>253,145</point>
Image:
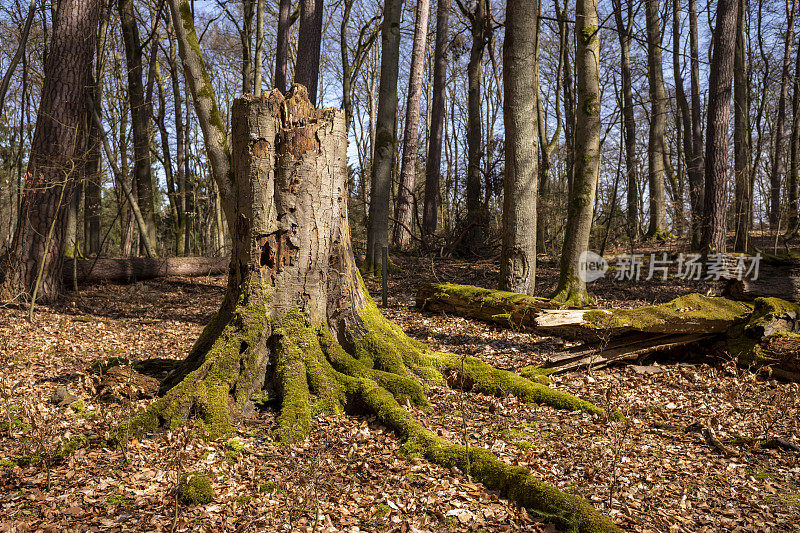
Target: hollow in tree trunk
<point>296,322</point>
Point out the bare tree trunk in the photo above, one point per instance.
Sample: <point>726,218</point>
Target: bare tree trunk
<point>404,208</point>
<point>569,102</point>
<point>684,118</point>
<point>793,183</point>
<point>246,41</point>
<point>205,104</point>
<point>430,212</point>
<point>23,39</point>
<point>778,157</point>
<point>655,148</point>
<point>543,207</point>
<point>476,218</point>
<point>282,44</point>
<point>308,47</point>
<point>385,137</point>
<point>719,111</point>
<point>259,61</point>
<point>624,31</point>
<point>36,254</point>
<point>520,110</point>
<point>571,288</point>
<point>696,181</point>
<point>741,135</point>
<point>140,117</point>
<point>93,183</point>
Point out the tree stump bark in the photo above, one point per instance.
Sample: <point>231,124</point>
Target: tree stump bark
<point>298,328</point>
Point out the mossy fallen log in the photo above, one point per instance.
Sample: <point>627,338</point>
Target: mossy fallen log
<point>508,309</point>
<point>129,270</point>
<point>692,314</point>
<point>770,340</point>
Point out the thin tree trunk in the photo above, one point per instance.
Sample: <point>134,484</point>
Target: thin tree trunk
<point>793,183</point>
<point>569,103</point>
<point>246,38</point>
<point>93,183</point>
<point>655,148</point>
<point>259,62</point>
<point>549,145</point>
<point>696,164</point>
<point>309,41</point>
<point>432,205</point>
<point>140,117</point>
<point>571,287</point>
<point>404,208</point>
<point>282,44</point>
<point>624,31</point>
<point>741,135</point>
<point>34,261</point>
<point>476,217</point>
<point>385,137</point>
<point>719,109</point>
<point>205,104</point>
<point>778,157</point>
<point>520,110</point>
<point>23,40</point>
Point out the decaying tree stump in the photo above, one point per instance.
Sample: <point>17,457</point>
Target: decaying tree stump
<point>141,268</point>
<point>296,322</point>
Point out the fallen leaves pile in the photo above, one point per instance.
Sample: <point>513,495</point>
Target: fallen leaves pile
<point>59,472</point>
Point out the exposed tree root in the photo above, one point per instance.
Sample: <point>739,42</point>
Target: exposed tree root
<point>312,372</point>
<point>297,327</point>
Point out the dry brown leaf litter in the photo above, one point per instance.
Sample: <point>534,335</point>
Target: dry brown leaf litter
<point>350,475</point>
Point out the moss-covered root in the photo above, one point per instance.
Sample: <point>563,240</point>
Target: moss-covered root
<point>301,368</point>
<point>573,296</point>
<point>472,373</point>
<point>232,371</point>
<point>514,482</point>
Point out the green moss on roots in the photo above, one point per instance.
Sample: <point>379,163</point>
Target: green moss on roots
<point>380,368</point>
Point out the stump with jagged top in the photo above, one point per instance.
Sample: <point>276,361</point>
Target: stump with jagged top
<point>297,324</point>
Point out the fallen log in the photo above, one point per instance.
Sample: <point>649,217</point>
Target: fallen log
<point>134,269</point>
<point>778,277</point>
<point>690,314</point>
<point>770,340</point>
<point>508,309</point>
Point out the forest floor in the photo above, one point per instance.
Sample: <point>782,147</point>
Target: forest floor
<point>648,475</point>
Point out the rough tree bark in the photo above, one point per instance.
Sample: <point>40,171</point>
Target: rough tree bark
<point>741,135</point>
<point>37,249</point>
<point>658,112</point>
<point>571,288</point>
<point>520,110</point>
<point>309,40</point>
<point>778,157</point>
<point>404,207</point>
<point>430,213</point>
<point>297,322</point>
<point>140,118</point>
<point>719,112</point>
<point>385,143</point>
